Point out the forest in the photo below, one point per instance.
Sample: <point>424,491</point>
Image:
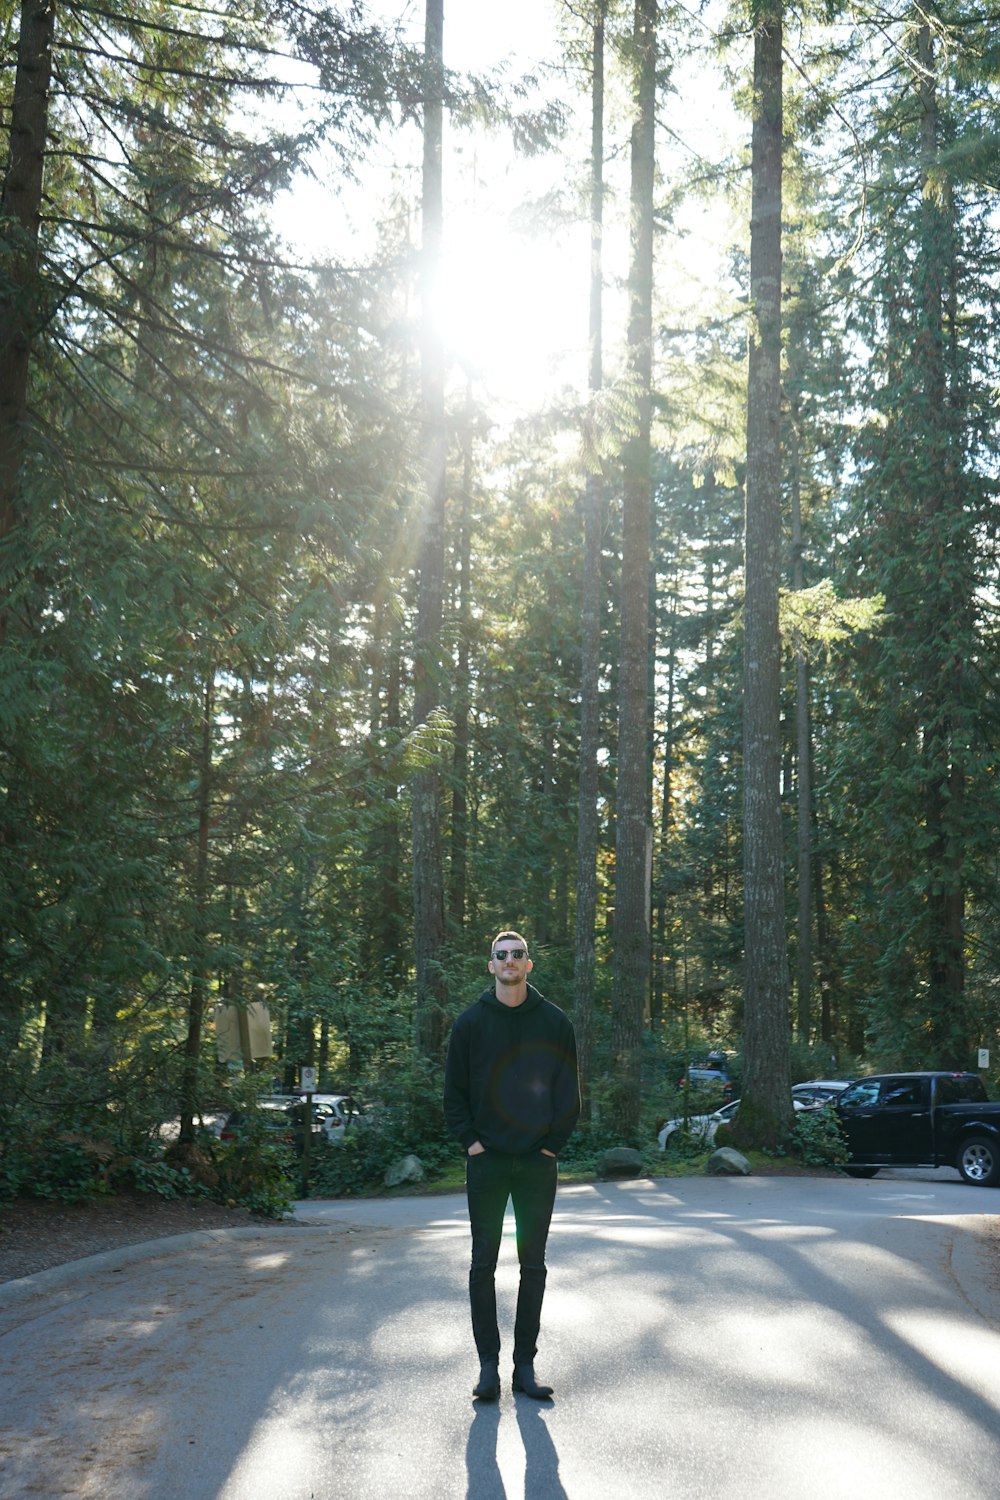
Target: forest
<point>328,647</point>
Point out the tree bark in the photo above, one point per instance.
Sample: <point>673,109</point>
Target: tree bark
<point>803,759</point>
<point>20,218</point>
<point>766,1112</point>
<point>943,528</point>
<point>199,959</point>
<point>659,967</point>
<point>428,887</point>
<point>459,862</point>
<point>590,644</point>
<point>633,839</point>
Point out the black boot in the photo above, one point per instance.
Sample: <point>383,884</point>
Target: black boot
<point>488,1388</point>
<point>525,1382</point>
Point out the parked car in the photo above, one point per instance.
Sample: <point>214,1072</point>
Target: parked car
<point>709,1074</point>
<point>820,1091</point>
<point>281,1116</point>
<point>702,1128</point>
<point>337,1114</point>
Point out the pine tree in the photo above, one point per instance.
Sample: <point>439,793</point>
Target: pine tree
<point>766,1108</point>
<point>633,844</point>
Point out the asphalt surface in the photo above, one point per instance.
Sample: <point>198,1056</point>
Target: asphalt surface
<point>758,1337</point>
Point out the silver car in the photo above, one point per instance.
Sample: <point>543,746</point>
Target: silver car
<point>820,1091</point>
<point>702,1128</point>
<point>336,1114</point>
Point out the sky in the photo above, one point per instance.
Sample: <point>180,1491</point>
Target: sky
<point>512,305</point>
<point>513,298</point>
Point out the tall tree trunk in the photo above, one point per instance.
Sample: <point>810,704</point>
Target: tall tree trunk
<point>198,994</point>
<point>428,887</point>
<point>766,1111</point>
<point>659,975</point>
<point>387,927</point>
<point>590,646</point>
<point>459,861</point>
<point>826,1019</point>
<point>633,842</point>
<point>541,870</point>
<point>942,528</point>
<point>20,218</point>
<point>803,759</point>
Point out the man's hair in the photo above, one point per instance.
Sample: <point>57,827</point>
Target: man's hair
<point>514,937</point>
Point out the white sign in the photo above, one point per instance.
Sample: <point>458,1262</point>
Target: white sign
<point>984,1057</point>
<point>307,1080</point>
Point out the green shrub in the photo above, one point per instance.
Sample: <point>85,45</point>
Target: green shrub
<point>154,1175</point>
<point>69,1167</point>
<point>353,1166</point>
<point>257,1173</point>
<point>587,1142</point>
<point>682,1144</point>
<point>85,1121</point>
<point>818,1139</point>
<point>358,1163</point>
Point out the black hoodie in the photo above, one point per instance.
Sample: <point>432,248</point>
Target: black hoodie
<point>510,1080</point>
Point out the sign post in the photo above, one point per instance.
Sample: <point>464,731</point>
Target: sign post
<point>307,1083</point>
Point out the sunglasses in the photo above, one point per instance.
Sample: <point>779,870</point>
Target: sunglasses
<point>502,953</point>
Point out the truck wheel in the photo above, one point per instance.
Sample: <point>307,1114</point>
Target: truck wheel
<point>979,1161</point>
<point>861,1171</point>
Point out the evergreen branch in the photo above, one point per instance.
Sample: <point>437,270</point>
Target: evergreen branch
<point>218,79</point>
<point>229,39</point>
<point>196,250</point>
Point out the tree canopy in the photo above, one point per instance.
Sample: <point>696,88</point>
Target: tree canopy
<point>321,658</point>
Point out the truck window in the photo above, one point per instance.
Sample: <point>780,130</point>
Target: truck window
<point>861,1095</point>
<point>902,1093</point>
<point>965,1090</point>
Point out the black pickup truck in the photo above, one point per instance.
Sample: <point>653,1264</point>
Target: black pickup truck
<point>921,1120</point>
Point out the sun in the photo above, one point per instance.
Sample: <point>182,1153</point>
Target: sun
<point>511,308</point>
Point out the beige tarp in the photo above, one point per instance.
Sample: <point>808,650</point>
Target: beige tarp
<point>243,1035</point>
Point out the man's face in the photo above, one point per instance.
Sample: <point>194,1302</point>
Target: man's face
<point>510,962</point>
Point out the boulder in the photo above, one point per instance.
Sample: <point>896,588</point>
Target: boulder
<point>620,1161</point>
<point>728,1163</point>
<point>404,1169</point>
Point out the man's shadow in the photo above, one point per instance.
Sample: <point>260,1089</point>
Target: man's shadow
<point>483,1481</point>
<point>541,1473</point>
<point>541,1470</point>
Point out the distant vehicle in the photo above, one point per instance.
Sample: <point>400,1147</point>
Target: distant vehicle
<point>921,1120</point>
<point>711,1072</point>
<point>820,1091</point>
<point>282,1118</point>
<point>337,1114</point>
<point>702,1128</point>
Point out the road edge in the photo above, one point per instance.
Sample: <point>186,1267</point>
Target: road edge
<point>55,1277</point>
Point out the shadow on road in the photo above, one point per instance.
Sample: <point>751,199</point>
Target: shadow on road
<point>541,1467</point>
<point>819,1323</point>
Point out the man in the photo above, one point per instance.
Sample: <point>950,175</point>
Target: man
<point>512,1098</point>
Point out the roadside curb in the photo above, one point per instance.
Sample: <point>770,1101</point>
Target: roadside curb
<point>57,1277</point>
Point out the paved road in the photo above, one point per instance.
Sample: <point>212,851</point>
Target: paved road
<point>761,1338</point>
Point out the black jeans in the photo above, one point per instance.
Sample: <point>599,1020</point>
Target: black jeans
<point>529,1182</point>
